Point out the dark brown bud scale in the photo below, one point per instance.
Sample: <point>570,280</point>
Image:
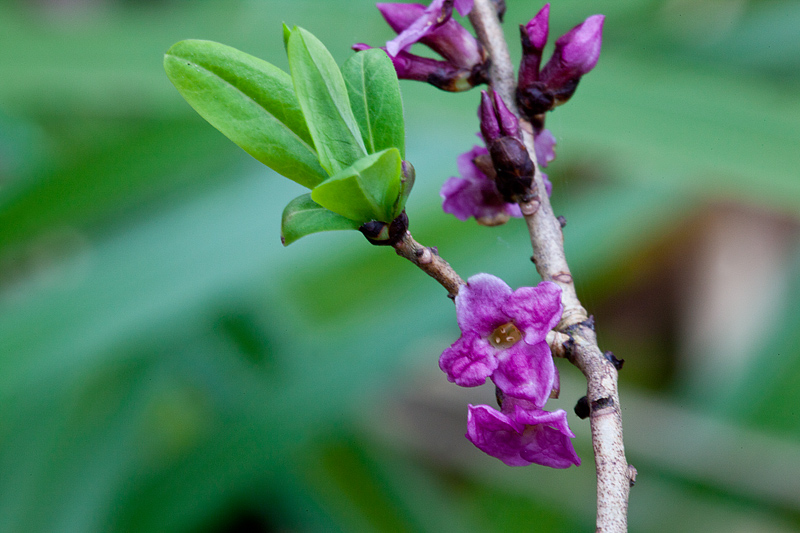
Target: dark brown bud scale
<point>449,80</point>
<point>535,99</point>
<point>383,234</point>
<point>485,165</point>
<point>582,408</point>
<point>565,92</point>
<point>618,363</point>
<point>513,167</point>
<point>480,73</point>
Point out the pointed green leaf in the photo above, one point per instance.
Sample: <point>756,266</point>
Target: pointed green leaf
<point>250,101</point>
<point>303,216</point>
<point>322,93</point>
<point>367,190</point>
<point>287,32</point>
<point>375,98</point>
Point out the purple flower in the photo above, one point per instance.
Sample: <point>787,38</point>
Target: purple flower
<point>475,194</point>
<point>522,434</point>
<point>441,74</point>
<point>465,62</point>
<point>414,23</point>
<point>503,337</point>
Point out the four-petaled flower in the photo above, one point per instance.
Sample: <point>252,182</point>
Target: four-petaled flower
<point>521,434</point>
<point>503,337</point>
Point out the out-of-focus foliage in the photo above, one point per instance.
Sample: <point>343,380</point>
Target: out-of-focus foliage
<point>166,365</point>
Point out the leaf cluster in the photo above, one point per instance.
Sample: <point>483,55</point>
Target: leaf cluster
<point>338,132</point>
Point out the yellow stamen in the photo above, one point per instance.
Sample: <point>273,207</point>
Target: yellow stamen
<point>505,336</point>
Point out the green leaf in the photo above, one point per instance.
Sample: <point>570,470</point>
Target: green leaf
<point>303,216</point>
<point>323,97</point>
<point>250,101</point>
<point>367,190</point>
<point>287,32</point>
<point>375,98</point>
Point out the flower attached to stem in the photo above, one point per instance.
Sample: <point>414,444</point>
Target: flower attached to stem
<point>465,63</point>
<point>474,193</point>
<point>503,337</point>
<point>521,434</point>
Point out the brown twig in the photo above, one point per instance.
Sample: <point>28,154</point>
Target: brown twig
<point>614,475</point>
<point>430,262</point>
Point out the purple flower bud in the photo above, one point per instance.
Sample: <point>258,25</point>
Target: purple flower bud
<point>512,164</point>
<point>538,27</point>
<point>416,23</point>
<point>534,37</point>
<point>576,53</point>
<point>509,123</point>
<point>490,127</point>
<point>496,119</point>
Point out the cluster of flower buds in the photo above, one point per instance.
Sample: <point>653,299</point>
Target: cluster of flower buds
<point>464,63</point>
<point>503,337</point>
<point>493,180</point>
<point>576,53</point>
<point>513,167</point>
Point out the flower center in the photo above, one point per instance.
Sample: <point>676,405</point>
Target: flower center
<point>505,336</point>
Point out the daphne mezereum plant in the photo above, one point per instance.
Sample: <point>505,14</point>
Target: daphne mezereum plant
<point>340,133</point>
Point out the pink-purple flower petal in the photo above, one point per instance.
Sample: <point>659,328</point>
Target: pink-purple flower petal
<point>544,144</point>
<point>547,438</point>
<point>526,372</point>
<point>535,310</point>
<point>548,187</point>
<point>416,23</point>
<point>474,194</point>
<point>479,304</point>
<point>469,361</point>
<point>543,438</point>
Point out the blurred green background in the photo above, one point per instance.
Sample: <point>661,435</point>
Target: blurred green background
<point>166,365</point>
